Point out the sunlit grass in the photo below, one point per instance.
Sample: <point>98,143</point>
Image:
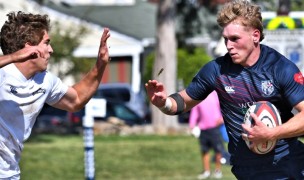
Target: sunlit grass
<point>51,157</point>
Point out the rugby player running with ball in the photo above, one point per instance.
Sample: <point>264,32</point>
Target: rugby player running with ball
<point>248,73</point>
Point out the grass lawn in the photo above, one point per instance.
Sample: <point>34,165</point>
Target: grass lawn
<point>49,157</point>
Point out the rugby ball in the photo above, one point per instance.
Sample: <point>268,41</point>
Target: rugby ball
<point>270,116</point>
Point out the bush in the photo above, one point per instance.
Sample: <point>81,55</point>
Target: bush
<point>189,61</point>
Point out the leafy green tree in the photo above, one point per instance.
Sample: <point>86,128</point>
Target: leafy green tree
<point>64,41</point>
<point>187,21</point>
<point>297,5</point>
<point>189,61</point>
<point>197,18</point>
<point>273,5</point>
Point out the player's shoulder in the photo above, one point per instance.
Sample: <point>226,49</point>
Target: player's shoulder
<point>42,75</point>
<point>45,77</point>
<point>210,70</point>
<point>217,63</point>
<point>274,57</point>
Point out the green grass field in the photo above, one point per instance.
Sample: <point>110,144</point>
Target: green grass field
<point>50,157</point>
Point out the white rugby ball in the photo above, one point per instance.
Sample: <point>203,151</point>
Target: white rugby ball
<point>270,116</point>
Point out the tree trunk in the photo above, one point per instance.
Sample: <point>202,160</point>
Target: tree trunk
<point>166,59</point>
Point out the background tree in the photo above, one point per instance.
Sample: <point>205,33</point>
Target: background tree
<point>64,42</point>
<point>273,5</point>
<point>187,21</point>
<point>197,18</point>
<point>165,58</point>
<point>188,64</point>
<point>165,54</point>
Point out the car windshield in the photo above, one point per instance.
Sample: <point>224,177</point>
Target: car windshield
<point>114,94</point>
<point>124,113</point>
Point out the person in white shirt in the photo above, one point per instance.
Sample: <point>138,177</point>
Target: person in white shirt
<point>25,83</point>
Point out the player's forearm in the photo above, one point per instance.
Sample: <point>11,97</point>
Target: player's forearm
<point>178,103</point>
<point>294,127</point>
<point>89,84</point>
<point>86,87</point>
<point>6,59</point>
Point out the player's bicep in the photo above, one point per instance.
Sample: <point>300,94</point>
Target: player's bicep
<point>69,101</point>
<point>300,106</point>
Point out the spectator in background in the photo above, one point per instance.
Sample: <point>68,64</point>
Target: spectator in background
<point>208,118</point>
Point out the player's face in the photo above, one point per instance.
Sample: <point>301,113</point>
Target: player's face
<point>241,43</point>
<point>47,50</point>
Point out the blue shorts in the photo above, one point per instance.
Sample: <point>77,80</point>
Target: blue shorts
<point>288,169</point>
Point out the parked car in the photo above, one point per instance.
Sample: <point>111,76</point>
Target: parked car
<point>121,102</point>
<point>124,113</point>
<point>113,109</point>
<point>122,93</point>
<point>52,120</point>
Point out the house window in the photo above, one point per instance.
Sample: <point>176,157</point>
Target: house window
<point>119,70</point>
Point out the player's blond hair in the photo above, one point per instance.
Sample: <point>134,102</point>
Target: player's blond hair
<point>246,13</point>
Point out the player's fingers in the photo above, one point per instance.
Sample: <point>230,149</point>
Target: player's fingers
<point>255,119</point>
<point>105,35</point>
<point>245,137</point>
<point>150,85</point>
<point>252,145</point>
<point>246,127</point>
<point>34,55</point>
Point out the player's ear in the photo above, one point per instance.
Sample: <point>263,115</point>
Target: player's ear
<point>256,36</point>
<point>27,44</point>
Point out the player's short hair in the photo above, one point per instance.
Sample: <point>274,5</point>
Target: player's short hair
<point>21,28</point>
<point>245,12</point>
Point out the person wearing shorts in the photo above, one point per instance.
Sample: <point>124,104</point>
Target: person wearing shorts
<point>211,139</point>
<point>208,118</point>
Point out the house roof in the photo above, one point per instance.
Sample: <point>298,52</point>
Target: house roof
<point>137,21</point>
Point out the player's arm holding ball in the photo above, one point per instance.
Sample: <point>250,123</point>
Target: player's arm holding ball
<point>259,133</point>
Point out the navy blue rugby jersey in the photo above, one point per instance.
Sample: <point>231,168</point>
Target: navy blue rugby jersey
<point>273,78</point>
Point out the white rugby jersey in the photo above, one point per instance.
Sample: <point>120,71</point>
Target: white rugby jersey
<point>21,100</point>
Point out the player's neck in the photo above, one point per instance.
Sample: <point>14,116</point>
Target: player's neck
<point>26,69</point>
<point>253,57</point>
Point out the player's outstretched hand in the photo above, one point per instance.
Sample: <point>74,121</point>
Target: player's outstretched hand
<point>103,53</point>
<point>156,93</point>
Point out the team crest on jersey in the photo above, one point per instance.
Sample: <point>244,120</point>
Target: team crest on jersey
<point>298,77</point>
<point>267,87</point>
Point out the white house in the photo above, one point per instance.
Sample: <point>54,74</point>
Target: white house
<point>125,49</point>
